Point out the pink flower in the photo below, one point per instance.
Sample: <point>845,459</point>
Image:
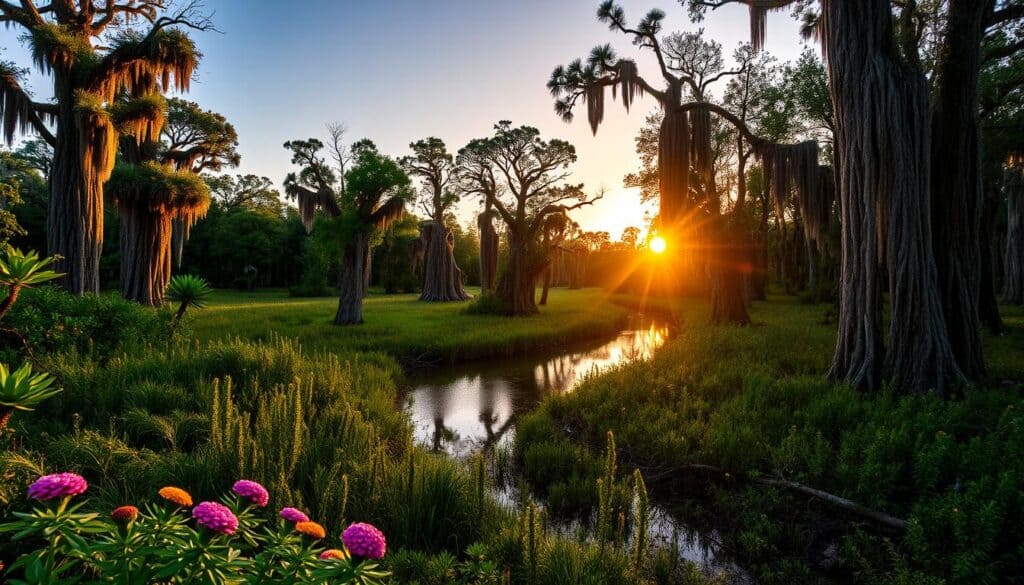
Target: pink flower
<point>364,540</point>
<point>251,491</point>
<point>57,485</point>
<point>215,517</point>
<point>293,515</point>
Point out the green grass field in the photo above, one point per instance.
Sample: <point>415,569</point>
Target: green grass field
<point>406,328</point>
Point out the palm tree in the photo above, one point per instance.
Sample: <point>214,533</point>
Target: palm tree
<point>86,79</point>
<point>188,291</point>
<point>376,190</point>
<point>20,270</point>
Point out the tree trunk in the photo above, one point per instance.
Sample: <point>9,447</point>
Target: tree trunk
<point>812,267</point>
<point>488,251</point>
<point>548,275</point>
<point>5,417</point>
<point>728,298</point>
<point>517,285</point>
<point>74,221</point>
<point>352,280</point>
<point>8,302</point>
<point>882,130</point>
<point>1013,277</point>
<point>956,195</point>
<point>442,279</point>
<point>145,254</point>
<point>674,187</point>
<point>988,303</point>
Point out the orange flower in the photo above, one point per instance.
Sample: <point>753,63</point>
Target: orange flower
<point>333,554</point>
<point>176,496</point>
<point>125,514</point>
<point>311,529</point>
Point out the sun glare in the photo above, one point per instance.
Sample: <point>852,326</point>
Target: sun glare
<point>658,244</point>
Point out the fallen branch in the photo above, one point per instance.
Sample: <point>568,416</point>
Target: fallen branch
<point>837,501</point>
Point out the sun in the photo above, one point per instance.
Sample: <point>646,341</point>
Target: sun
<point>658,244</point>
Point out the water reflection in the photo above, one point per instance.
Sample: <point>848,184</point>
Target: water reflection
<point>463,408</point>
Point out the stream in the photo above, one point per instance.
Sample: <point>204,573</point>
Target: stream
<point>464,408</point>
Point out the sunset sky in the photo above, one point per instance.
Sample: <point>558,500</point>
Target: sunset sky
<point>396,71</point>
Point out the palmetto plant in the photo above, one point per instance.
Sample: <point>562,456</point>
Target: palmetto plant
<point>22,390</point>
<point>188,291</point>
<point>20,270</point>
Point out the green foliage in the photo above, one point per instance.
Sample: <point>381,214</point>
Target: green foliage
<point>53,321</point>
<point>753,402</point>
<point>487,304</point>
<point>392,262</point>
<point>23,390</point>
<point>160,544</point>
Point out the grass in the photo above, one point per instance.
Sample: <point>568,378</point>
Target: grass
<point>407,329</point>
<point>754,402</point>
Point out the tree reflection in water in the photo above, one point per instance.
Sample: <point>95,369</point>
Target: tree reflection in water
<point>464,408</point>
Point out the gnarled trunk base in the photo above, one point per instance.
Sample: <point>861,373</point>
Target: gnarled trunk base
<point>442,278</point>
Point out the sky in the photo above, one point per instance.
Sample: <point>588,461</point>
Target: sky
<point>396,71</point>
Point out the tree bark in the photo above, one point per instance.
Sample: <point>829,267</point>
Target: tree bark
<point>352,280</point>
<point>145,254</point>
<point>882,130</point>
<point>956,192</point>
<point>74,221</point>
<point>442,278</point>
<point>5,417</point>
<point>728,278</point>
<point>8,302</point>
<point>1013,277</point>
<point>488,251</point>
<point>988,303</point>
<point>548,275</point>
<point>518,283</point>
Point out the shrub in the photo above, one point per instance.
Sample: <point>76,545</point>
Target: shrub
<point>53,321</point>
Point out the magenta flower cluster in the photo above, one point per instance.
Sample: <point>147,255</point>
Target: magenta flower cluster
<point>57,485</point>
<point>251,491</point>
<point>364,540</point>
<point>215,517</point>
<point>294,515</point>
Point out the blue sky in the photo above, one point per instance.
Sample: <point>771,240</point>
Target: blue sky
<point>398,70</point>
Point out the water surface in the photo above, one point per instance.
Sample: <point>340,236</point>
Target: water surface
<point>466,407</point>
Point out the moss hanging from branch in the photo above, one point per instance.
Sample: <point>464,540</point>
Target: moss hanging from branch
<point>97,138</point>
<point>794,167</point>
<point>15,105</point>
<point>629,80</point>
<point>56,47</point>
<point>594,97</point>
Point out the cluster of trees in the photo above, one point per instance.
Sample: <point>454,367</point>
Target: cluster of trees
<point>872,159</point>
<point>109,130</point>
<point>357,193</point>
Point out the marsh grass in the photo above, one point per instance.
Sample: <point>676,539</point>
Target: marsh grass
<point>408,329</point>
<point>753,401</point>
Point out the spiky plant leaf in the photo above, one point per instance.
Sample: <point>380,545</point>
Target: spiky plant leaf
<point>23,390</point>
<point>189,291</point>
<point>25,269</point>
